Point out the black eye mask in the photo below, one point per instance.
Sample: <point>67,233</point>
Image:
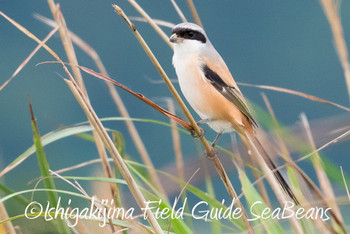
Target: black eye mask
<point>190,34</point>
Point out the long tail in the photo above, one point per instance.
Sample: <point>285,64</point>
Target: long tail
<point>260,150</point>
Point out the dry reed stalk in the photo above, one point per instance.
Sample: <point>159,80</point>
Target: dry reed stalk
<point>320,197</point>
<point>70,52</point>
<point>78,187</point>
<point>79,165</point>
<point>293,163</point>
<point>151,22</point>
<point>210,151</point>
<point>286,156</point>
<point>335,140</point>
<point>271,179</point>
<point>260,183</point>
<point>330,8</point>
<point>6,227</point>
<point>223,175</point>
<point>239,164</point>
<point>324,182</point>
<point>194,12</point>
<point>281,197</point>
<point>32,36</point>
<point>181,193</point>
<point>135,136</point>
<point>79,225</point>
<point>296,93</point>
<point>308,202</point>
<point>178,10</point>
<point>67,43</point>
<point>345,184</point>
<point>311,184</point>
<point>157,21</point>
<point>24,63</point>
<point>284,151</point>
<point>105,165</point>
<point>96,123</point>
<point>176,142</point>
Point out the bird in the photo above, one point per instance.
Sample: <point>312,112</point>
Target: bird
<point>210,89</point>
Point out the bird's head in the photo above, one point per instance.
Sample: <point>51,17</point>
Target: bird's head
<point>188,38</point>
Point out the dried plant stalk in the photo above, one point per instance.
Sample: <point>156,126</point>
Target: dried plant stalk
<point>151,22</point>
<point>157,21</point>
<point>135,136</point>
<point>69,49</point>
<point>176,142</point>
<point>297,93</point>
<point>24,63</point>
<point>96,123</point>
<point>345,184</point>
<point>67,43</point>
<point>331,11</point>
<point>260,183</point>
<point>281,196</point>
<point>310,183</point>
<point>6,227</point>
<point>325,184</point>
<point>284,151</point>
<point>194,12</point>
<point>286,156</point>
<point>178,10</point>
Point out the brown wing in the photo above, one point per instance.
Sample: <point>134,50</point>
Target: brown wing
<point>228,88</point>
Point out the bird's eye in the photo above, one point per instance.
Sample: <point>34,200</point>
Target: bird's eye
<point>189,34</point>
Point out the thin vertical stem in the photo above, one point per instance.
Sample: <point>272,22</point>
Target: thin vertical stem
<point>151,22</point>
<point>179,12</point>
<point>96,123</point>
<point>69,49</point>
<point>176,142</point>
<point>194,12</point>
<point>331,11</point>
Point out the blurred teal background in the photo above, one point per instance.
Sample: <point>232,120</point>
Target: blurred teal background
<point>281,43</point>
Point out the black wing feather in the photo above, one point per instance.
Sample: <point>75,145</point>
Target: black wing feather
<point>229,92</point>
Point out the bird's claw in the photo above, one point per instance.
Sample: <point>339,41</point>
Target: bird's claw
<point>196,135</point>
<point>212,154</point>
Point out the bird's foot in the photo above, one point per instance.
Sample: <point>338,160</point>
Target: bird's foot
<point>212,154</point>
<point>196,135</point>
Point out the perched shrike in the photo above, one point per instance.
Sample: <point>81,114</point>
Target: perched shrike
<point>210,89</point>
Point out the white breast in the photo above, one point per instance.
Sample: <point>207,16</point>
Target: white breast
<point>188,74</point>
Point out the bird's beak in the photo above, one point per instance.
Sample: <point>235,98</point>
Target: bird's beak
<point>174,38</point>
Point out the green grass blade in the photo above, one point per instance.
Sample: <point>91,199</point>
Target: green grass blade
<point>119,141</point>
<point>178,224</point>
<point>20,199</point>
<point>215,225</point>
<point>238,223</point>
<point>331,169</point>
<point>71,131</point>
<point>252,196</point>
<point>45,140</point>
<point>45,173</point>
